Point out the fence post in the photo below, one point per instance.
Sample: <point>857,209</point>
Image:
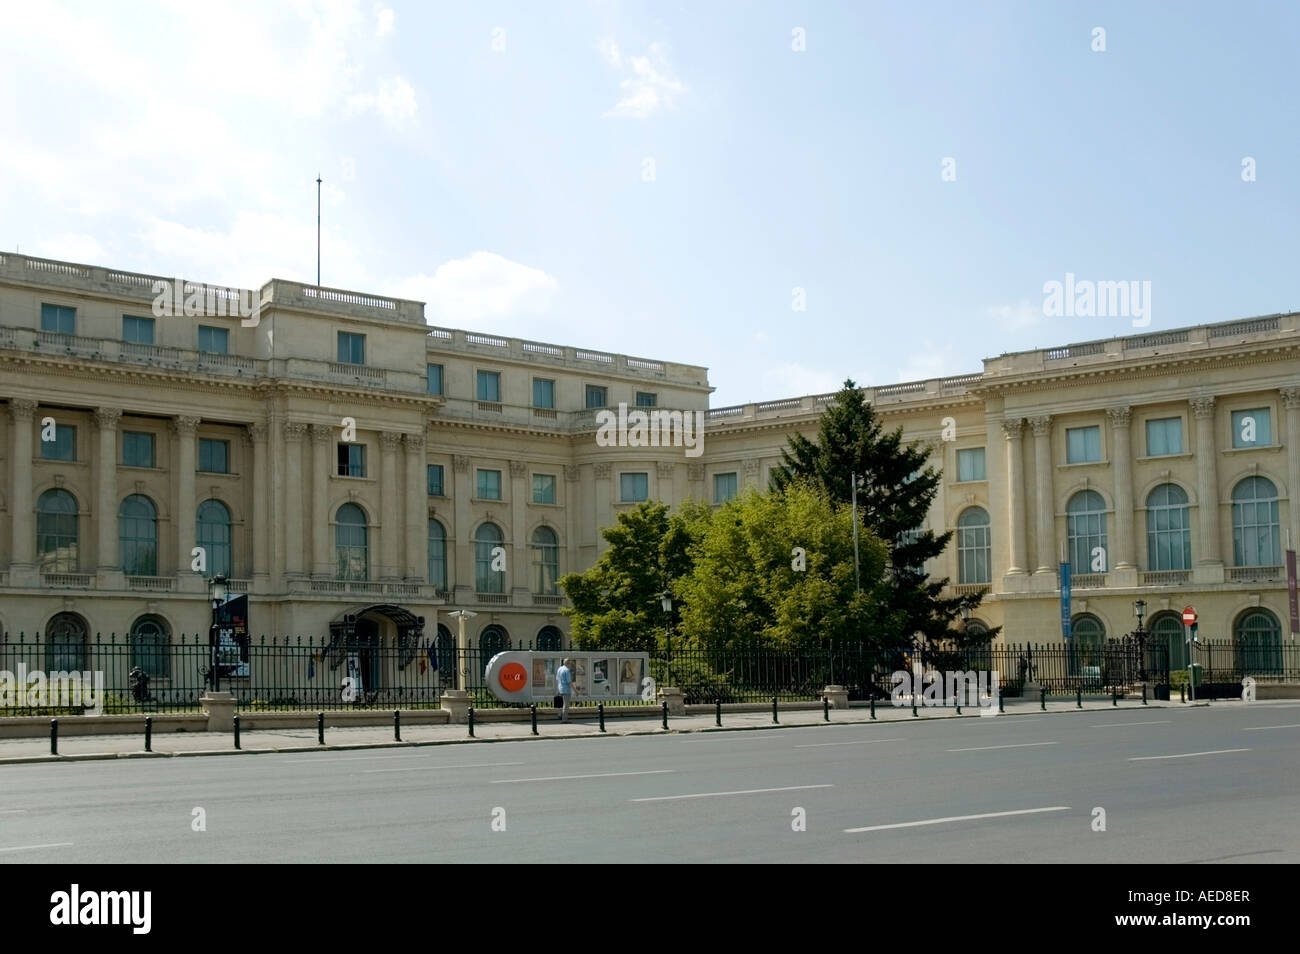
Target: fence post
<point>470,712</point>
<point>320,728</point>
<point>148,733</point>
<point>236,730</point>
<point>665,714</point>
<point>775,721</point>
<point>600,711</point>
<point>533,714</point>
<point>397,725</point>
<point>1042,697</point>
<point>717,712</point>
<point>54,736</point>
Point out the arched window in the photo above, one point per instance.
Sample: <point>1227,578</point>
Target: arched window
<point>1086,531</point>
<point>494,639</point>
<point>351,543</point>
<point>151,647</point>
<point>548,638</point>
<point>977,656</point>
<point>213,534</point>
<point>1257,640</point>
<point>1087,638</point>
<point>65,644</point>
<point>137,536</point>
<point>546,561</point>
<point>486,579</point>
<point>437,554</point>
<point>1169,535</point>
<point>973,546</point>
<point>446,644</point>
<point>56,532</point>
<point>1167,633</point>
<point>1255,537</point>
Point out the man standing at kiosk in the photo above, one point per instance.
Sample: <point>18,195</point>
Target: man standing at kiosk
<point>564,687</point>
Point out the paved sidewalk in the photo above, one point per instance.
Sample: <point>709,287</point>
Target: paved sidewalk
<point>169,744</point>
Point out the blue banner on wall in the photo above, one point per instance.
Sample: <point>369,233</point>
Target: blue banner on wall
<point>1065,601</point>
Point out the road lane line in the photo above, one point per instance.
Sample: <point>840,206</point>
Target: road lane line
<point>1185,755</point>
<point>745,791</point>
<point>1261,728</point>
<point>562,778</point>
<point>818,745</point>
<point>13,811</point>
<point>958,818</point>
<point>1015,745</point>
<point>57,844</point>
<point>434,768</point>
<point>1111,725</point>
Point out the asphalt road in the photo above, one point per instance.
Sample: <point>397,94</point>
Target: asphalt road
<point>1177,785</point>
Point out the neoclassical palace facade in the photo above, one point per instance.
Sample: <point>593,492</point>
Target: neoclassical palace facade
<point>339,459</point>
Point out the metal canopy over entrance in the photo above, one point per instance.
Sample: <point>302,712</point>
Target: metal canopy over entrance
<point>350,634</point>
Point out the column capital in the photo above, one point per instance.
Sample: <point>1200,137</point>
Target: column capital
<point>21,410</point>
<point>695,471</point>
<point>572,472</point>
<point>1013,428</point>
<point>321,433</point>
<point>106,418</point>
<point>1119,416</point>
<point>518,468</point>
<point>185,426</point>
<point>294,430</point>
<point>390,440</point>
<point>414,443</point>
<point>460,463</point>
<point>1042,425</point>
<point>1202,407</point>
<point>256,432</point>
<point>665,469</point>
<point>751,467</point>
<point>602,471</point>
<point>1290,398</point>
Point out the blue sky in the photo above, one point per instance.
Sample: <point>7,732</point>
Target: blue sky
<point>508,187</point>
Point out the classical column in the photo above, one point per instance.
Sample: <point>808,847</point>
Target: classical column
<point>106,557</point>
<point>186,504</point>
<point>1045,531</point>
<point>604,509</point>
<point>664,489</point>
<point>751,473</point>
<point>572,516</point>
<point>1121,465</point>
<point>260,569</point>
<point>417,510</point>
<point>389,442</point>
<point>462,552</point>
<point>1207,481</point>
<point>293,433</point>
<point>521,577</point>
<point>1014,431</point>
<point>322,565</point>
<point>21,507</point>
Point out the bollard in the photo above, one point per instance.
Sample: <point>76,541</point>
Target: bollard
<point>1042,698</point>
<point>397,725</point>
<point>774,719</point>
<point>533,712</point>
<point>665,715</point>
<point>873,707</point>
<point>1001,707</point>
<point>913,702</point>
<point>236,731</point>
<point>320,728</point>
<point>957,701</point>
<point>1144,693</point>
<point>471,721</point>
<point>148,733</point>
<point>600,711</point>
<point>1114,695</point>
<point>1078,697</point>
<point>54,736</point>
<point>1182,693</point>
<point>826,708</point>
<point>717,712</point>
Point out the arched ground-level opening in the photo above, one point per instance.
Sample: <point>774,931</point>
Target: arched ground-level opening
<point>377,648</point>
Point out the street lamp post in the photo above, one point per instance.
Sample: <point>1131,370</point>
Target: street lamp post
<point>1140,611</point>
<point>666,602</point>
<point>462,647</point>
<point>218,591</point>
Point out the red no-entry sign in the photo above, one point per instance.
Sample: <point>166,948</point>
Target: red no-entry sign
<point>1189,615</point>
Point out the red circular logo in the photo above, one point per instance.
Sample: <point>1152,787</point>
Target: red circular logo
<point>513,676</point>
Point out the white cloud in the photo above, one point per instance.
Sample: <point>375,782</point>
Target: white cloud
<point>395,101</point>
<point>648,85</point>
<point>1014,317</point>
<point>482,288</point>
<point>931,362</point>
<point>385,23</point>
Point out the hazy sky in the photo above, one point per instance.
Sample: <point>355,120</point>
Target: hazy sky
<point>659,178</point>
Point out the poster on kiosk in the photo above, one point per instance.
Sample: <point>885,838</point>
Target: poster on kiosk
<point>527,677</point>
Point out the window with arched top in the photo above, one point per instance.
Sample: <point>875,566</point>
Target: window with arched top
<point>437,554</point>
<point>151,646</point>
<point>1257,643</point>
<point>212,533</point>
<point>351,543</point>
<point>546,561</point>
<point>57,537</point>
<point>446,646</point>
<point>65,643</point>
<point>1256,538</point>
<point>487,539</point>
<point>137,536</point>
<point>494,639</point>
<point>1169,534</point>
<point>1085,530</point>
<point>1167,633</point>
<point>1087,640</point>
<point>974,546</point>
<point>549,638</point>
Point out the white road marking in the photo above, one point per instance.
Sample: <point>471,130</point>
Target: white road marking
<point>1016,745</point>
<point>57,844</point>
<point>1111,725</point>
<point>342,758</point>
<point>435,768</point>
<point>562,778</point>
<point>1261,728</point>
<point>746,791</point>
<point>1185,755</point>
<point>818,745</point>
<point>958,818</point>
<point>13,811</point>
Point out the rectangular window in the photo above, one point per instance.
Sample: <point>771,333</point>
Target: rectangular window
<point>489,386</point>
<point>435,480</point>
<point>433,373</point>
<point>352,460</point>
<point>352,348</point>
<point>543,488</point>
<point>724,487</point>
<point>59,318</point>
<point>1252,428</point>
<point>137,449</point>
<point>214,456</point>
<point>214,340</point>
<point>1164,436</point>
<point>137,330</point>
<point>646,399</point>
<point>1082,444</point>
<point>487,485</point>
<point>543,393</point>
<point>596,395</point>
<point>970,464</point>
<point>64,445</point>
<point>633,488</point>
